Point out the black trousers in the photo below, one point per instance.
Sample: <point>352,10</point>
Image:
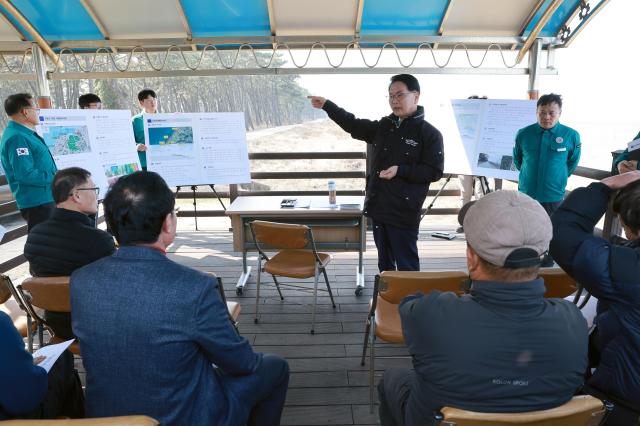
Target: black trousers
<point>64,397</point>
<point>397,247</point>
<point>37,214</point>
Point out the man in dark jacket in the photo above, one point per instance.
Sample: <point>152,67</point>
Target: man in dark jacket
<point>26,390</point>
<point>610,273</point>
<point>407,156</point>
<point>501,348</point>
<point>68,240</point>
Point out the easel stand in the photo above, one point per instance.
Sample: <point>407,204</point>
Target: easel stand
<point>435,197</point>
<point>195,204</point>
<point>484,187</point>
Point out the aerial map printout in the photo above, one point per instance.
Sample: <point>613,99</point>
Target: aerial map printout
<point>197,148</point>
<point>100,141</point>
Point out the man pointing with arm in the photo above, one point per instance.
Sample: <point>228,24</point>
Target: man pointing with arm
<point>407,156</point>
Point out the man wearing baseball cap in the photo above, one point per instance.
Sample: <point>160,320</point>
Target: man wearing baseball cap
<point>501,348</point>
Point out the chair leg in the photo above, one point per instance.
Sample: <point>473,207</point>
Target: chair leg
<point>40,335</point>
<point>255,320</point>
<point>315,298</point>
<point>366,340</point>
<point>275,280</point>
<point>326,279</point>
<point>29,333</point>
<point>371,362</point>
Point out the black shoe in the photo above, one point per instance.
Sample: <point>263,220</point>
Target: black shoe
<point>460,230</point>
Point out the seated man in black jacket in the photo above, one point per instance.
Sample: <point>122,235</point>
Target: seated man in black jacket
<point>68,240</point>
<point>501,348</point>
<point>610,273</point>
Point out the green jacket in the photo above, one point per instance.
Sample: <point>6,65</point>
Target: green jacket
<point>28,165</point>
<point>623,156</point>
<point>545,159</point>
<point>138,134</point>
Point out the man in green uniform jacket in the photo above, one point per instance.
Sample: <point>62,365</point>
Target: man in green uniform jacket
<point>27,162</point>
<point>149,103</point>
<point>622,163</point>
<point>546,153</point>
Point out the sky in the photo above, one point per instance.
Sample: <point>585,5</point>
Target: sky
<point>597,77</point>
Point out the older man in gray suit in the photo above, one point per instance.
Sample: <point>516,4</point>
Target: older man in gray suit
<point>155,335</point>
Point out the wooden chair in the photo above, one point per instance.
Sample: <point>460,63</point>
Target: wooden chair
<point>102,421</point>
<point>390,287</point>
<point>579,411</point>
<point>297,258</point>
<point>14,308</point>
<point>50,294</point>
<point>558,283</point>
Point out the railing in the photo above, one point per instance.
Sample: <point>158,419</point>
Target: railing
<point>610,226</point>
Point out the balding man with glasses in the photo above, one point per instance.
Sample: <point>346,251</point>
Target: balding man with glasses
<point>407,156</point>
<point>69,239</point>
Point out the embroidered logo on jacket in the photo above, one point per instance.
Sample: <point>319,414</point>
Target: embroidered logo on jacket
<point>411,142</point>
<point>22,151</point>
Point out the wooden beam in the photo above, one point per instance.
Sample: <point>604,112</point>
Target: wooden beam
<point>185,23</point>
<point>272,18</point>
<point>15,28</point>
<point>358,25</point>
<point>538,27</point>
<point>15,13</point>
<point>530,17</point>
<point>445,16</point>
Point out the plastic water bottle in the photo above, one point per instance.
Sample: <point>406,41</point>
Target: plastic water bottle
<point>332,193</point>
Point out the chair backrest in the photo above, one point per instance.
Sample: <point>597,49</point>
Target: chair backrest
<point>281,235</point>
<point>48,293</point>
<point>557,282</point>
<point>5,292</point>
<point>579,411</point>
<point>396,285</point>
<point>5,283</point>
<point>101,421</point>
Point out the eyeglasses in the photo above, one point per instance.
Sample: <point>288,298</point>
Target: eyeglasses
<point>36,109</point>
<point>399,96</point>
<point>96,189</point>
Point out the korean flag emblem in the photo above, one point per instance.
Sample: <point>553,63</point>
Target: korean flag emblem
<point>559,140</point>
<point>22,151</point>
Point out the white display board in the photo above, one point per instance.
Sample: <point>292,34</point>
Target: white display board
<point>197,148</point>
<point>100,141</point>
<point>479,135</point>
<point>496,124</point>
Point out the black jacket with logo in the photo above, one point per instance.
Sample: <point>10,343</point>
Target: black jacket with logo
<point>412,144</point>
<point>501,348</point>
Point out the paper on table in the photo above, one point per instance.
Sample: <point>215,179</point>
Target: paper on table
<point>3,230</point>
<point>52,353</point>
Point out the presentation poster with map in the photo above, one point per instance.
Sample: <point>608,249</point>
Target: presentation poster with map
<point>198,148</point>
<point>487,130</point>
<point>100,141</point>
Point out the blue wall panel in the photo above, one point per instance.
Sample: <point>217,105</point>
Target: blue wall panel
<point>59,19</point>
<point>411,17</point>
<point>227,17</point>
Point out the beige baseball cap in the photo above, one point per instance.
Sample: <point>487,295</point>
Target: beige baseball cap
<point>508,228</point>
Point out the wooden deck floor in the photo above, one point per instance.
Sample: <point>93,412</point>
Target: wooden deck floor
<point>327,386</point>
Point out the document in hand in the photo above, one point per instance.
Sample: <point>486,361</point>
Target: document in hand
<point>51,353</point>
<point>634,149</point>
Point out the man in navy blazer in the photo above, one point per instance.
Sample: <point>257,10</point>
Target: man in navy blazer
<point>155,335</point>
